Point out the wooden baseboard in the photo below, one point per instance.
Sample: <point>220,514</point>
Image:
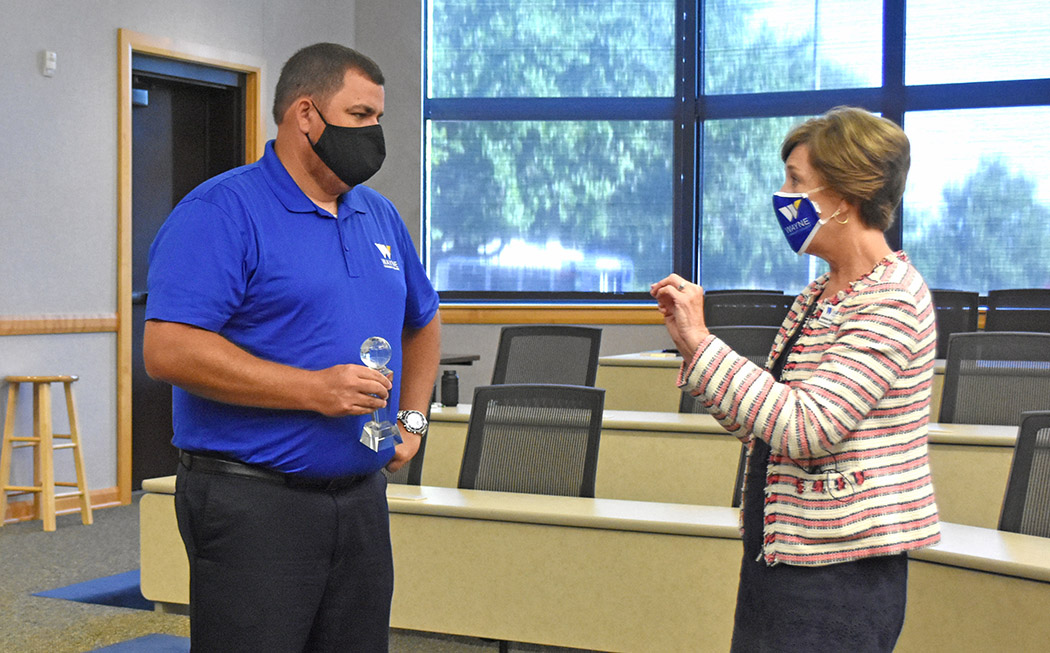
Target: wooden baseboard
<point>18,511</point>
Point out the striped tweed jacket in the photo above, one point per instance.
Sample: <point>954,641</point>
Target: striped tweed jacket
<point>849,472</point>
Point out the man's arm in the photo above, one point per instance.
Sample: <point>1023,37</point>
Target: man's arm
<point>420,357</point>
<point>206,364</point>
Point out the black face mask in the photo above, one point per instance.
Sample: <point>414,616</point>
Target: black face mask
<point>354,154</point>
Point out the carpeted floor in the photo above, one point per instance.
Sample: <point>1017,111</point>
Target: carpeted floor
<point>119,590</point>
<point>34,561</point>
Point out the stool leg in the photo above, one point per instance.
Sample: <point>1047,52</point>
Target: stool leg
<point>78,455</point>
<point>5,452</point>
<point>42,428</point>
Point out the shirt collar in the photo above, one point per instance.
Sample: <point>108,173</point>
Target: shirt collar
<point>292,197</point>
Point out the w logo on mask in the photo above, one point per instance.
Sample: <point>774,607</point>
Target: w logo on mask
<point>790,211</point>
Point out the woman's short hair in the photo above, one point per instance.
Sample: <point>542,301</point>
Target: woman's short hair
<point>862,156</point>
<point>319,71</point>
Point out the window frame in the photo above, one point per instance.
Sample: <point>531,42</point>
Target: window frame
<point>688,111</point>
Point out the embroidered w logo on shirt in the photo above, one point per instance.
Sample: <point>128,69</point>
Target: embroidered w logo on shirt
<point>386,258</point>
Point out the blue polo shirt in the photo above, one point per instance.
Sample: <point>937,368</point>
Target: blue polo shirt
<point>247,255</point>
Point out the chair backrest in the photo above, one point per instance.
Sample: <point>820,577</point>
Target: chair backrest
<point>956,313</point>
<point>993,377</point>
<point>1026,506</point>
<point>1018,309</point>
<point>753,341</point>
<point>533,438</point>
<point>547,353</point>
<point>746,308</point>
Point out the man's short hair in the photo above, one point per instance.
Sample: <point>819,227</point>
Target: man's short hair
<point>318,71</point>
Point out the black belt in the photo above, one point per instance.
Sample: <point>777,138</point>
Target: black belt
<point>210,464</point>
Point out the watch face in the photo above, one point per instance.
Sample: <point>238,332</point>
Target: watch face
<point>414,420</point>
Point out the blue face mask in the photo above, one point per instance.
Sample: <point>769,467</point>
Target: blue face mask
<point>799,218</point>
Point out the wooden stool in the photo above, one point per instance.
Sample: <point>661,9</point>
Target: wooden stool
<point>43,445</point>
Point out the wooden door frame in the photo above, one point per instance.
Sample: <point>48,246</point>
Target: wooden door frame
<point>130,42</point>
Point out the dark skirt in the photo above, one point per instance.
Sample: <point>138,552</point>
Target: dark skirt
<point>850,606</point>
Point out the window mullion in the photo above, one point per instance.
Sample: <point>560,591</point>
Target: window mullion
<point>685,221</point>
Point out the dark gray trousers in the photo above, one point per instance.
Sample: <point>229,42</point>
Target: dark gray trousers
<point>279,569</point>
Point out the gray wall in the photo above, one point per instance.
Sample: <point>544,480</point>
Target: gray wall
<point>58,178</point>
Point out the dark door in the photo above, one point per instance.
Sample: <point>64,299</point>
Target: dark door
<point>184,131</point>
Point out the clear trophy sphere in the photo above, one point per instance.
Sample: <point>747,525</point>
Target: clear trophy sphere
<point>375,353</point>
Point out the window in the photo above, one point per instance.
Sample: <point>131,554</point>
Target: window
<point>581,149</point>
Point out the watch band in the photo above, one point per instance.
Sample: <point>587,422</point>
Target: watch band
<point>414,415</point>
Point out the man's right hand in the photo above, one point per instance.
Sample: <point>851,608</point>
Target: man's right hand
<point>350,390</point>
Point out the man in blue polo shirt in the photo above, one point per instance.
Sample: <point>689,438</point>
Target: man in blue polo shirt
<point>264,282</point>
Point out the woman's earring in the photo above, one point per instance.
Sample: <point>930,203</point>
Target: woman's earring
<point>837,211</point>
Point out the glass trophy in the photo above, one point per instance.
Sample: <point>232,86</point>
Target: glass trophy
<point>380,432</point>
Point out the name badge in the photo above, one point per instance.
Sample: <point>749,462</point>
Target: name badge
<point>827,316</point>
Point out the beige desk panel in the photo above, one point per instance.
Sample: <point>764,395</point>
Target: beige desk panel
<point>667,467</point>
<point>580,587</point>
<point>970,482</point>
<point>444,453</point>
<point>166,579</point>
<point>639,388</point>
<point>951,609</point>
<point>632,576</point>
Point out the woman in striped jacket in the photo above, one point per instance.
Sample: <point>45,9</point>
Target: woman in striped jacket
<point>838,485</point>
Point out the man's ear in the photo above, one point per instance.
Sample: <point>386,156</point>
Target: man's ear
<point>301,111</point>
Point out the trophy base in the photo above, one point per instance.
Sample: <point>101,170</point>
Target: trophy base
<point>378,436</point>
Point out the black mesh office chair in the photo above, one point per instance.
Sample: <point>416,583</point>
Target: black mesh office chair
<point>1026,506</point>
<point>533,438</point>
<point>956,313</point>
<point>1020,309</point>
<point>755,342</point>
<point>992,377</point>
<point>547,353</point>
<point>746,308</point>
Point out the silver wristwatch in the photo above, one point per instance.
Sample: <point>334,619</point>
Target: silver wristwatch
<point>414,421</point>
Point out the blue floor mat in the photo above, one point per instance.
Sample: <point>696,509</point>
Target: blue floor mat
<point>119,590</point>
<point>149,644</point>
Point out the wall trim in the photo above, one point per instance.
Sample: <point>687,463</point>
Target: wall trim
<point>30,325</point>
<point>549,314</point>
<point>23,510</point>
<point>129,42</point>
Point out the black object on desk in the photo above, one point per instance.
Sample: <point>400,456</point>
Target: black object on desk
<point>449,388</point>
<point>459,359</point>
